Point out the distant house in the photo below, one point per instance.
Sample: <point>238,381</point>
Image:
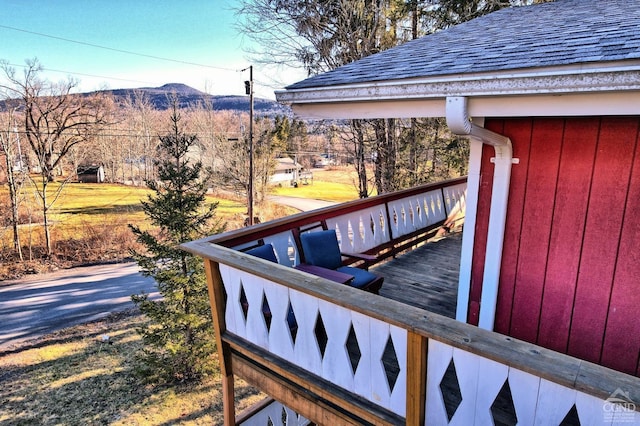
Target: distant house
<point>90,173</point>
<point>287,170</point>
<point>323,161</point>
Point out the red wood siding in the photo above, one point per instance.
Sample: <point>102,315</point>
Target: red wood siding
<point>521,130</point>
<point>570,273</point>
<point>572,196</point>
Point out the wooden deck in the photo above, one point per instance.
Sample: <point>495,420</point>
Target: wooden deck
<point>426,277</point>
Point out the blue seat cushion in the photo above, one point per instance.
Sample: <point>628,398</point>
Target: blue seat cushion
<point>321,249</point>
<point>265,251</point>
<point>361,278</point>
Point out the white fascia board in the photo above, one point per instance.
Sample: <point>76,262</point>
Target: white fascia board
<point>584,104</point>
<point>537,86</point>
<point>373,109</point>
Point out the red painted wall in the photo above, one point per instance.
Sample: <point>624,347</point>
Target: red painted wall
<point>570,273</point>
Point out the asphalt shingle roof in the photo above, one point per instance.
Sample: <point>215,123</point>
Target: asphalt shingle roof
<point>564,32</point>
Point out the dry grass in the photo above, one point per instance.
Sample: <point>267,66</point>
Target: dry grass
<point>73,377</point>
<point>88,225</point>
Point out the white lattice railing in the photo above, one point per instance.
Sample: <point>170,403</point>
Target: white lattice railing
<point>490,390</point>
<point>361,230</point>
<point>337,344</point>
<point>367,356</point>
<point>362,226</point>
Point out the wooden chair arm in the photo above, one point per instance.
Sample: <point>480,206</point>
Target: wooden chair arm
<point>361,256</point>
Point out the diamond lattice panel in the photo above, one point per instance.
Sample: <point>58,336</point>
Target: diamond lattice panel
<point>266,312</point>
<point>450,390</point>
<point>503,412</point>
<point>336,365</point>
<point>390,364</point>
<point>292,322</point>
<point>353,349</point>
<point>244,303</point>
<point>321,335</point>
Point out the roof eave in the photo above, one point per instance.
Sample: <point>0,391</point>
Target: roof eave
<point>426,95</point>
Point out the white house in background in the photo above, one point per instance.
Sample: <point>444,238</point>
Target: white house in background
<point>286,171</point>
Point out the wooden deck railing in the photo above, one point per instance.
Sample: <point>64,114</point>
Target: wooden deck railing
<point>383,225</point>
<point>337,355</point>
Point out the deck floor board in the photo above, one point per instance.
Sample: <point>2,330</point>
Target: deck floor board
<point>426,277</point>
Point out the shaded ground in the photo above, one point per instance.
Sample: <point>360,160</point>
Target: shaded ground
<point>40,304</point>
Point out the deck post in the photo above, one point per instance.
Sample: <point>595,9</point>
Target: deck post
<point>216,300</point>
<point>417,347</point>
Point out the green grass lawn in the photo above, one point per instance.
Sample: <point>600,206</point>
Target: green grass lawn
<point>87,203</point>
<point>85,206</point>
<point>327,191</point>
<point>339,185</point>
<point>88,223</point>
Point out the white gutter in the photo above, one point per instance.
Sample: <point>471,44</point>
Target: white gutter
<point>460,124</point>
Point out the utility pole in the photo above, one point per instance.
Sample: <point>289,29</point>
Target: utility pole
<point>248,85</point>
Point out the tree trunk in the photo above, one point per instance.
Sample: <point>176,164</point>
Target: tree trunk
<point>385,163</point>
<point>413,153</point>
<point>363,190</point>
<point>45,214</point>
<point>13,195</point>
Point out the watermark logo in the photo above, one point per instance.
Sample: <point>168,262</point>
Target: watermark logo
<point>619,407</point>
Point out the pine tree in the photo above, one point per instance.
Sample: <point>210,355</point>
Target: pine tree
<point>178,339</point>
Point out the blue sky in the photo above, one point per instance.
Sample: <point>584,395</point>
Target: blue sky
<point>64,35</point>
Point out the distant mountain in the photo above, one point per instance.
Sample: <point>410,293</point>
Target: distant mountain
<point>188,96</point>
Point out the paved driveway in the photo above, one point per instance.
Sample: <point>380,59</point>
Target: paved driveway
<point>33,306</point>
<point>303,204</point>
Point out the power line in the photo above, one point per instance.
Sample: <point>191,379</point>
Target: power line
<point>128,52</point>
<point>114,50</point>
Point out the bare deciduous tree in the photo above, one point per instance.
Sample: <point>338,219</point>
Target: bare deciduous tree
<point>321,35</point>
<point>143,120</point>
<point>55,120</point>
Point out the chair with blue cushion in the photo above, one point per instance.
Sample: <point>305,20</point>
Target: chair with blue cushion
<point>264,251</point>
<point>321,248</point>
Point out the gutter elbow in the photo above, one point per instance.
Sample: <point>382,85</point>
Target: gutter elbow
<point>457,116</point>
<point>460,124</point>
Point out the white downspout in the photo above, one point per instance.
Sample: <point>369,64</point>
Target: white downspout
<point>460,124</point>
<point>468,236</point>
